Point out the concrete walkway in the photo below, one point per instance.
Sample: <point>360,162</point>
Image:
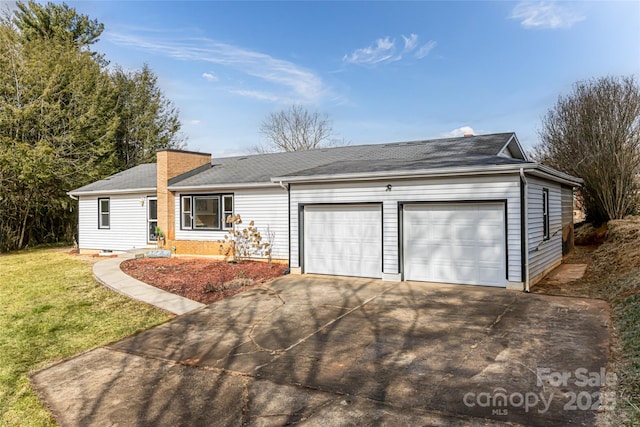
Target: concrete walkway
<point>108,273</point>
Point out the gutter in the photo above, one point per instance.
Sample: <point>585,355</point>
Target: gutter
<point>430,173</point>
<point>546,172</point>
<point>209,187</point>
<point>524,186</point>
<point>100,192</point>
<point>423,173</point>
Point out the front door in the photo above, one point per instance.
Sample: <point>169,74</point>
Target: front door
<point>152,219</point>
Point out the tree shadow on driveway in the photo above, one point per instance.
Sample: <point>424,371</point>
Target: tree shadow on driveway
<point>328,350</point>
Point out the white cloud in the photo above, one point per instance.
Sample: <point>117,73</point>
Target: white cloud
<point>210,76</point>
<point>385,50</point>
<point>410,42</point>
<point>461,131</point>
<point>545,15</point>
<point>425,49</point>
<point>194,122</point>
<point>287,80</point>
<point>259,95</point>
<point>382,51</point>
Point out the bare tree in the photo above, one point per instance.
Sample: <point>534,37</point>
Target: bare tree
<point>594,133</point>
<point>295,129</point>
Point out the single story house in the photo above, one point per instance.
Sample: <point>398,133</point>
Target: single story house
<point>469,210</point>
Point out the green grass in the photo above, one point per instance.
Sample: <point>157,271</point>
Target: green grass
<point>622,291</point>
<point>626,313</point>
<point>51,308</point>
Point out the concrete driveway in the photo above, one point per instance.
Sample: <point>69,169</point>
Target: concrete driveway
<point>334,351</point>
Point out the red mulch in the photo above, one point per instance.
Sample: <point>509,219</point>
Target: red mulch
<point>201,280</point>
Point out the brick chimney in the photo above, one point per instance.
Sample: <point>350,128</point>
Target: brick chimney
<point>172,163</point>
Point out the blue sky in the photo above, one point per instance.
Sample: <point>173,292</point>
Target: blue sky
<point>383,71</point>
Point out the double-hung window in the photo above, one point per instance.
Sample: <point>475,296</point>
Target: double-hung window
<point>545,214</point>
<point>104,213</point>
<point>205,212</point>
<point>227,211</point>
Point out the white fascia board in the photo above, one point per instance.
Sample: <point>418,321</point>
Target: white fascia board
<point>546,172</point>
<point>424,173</point>
<point>209,187</point>
<point>514,139</point>
<point>108,192</point>
<point>532,168</point>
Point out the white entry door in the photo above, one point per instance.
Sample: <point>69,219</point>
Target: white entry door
<point>455,243</point>
<point>344,240</point>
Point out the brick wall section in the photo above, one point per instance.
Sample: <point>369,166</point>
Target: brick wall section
<point>207,248</point>
<point>194,247</point>
<point>172,163</point>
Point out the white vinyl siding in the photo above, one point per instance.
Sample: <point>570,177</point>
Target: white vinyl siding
<point>544,254</point>
<point>128,225</point>
<point>267,207</point>
<point>499,187</point>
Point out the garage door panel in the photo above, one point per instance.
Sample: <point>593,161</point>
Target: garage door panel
<point>455,243</point>
<point>343,240</point>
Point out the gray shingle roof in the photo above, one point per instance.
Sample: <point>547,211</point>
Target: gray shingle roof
<point>137,178</point>
<point>437,153</point>
<point>480,150</point>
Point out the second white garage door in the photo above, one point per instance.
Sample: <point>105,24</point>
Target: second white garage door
<point>455,243</point>
<point>344,240</point>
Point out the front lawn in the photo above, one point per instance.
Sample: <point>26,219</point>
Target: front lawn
<point>52,309</point>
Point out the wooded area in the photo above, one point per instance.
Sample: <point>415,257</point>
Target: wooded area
<point>594,133</point>
<point>67,117</point>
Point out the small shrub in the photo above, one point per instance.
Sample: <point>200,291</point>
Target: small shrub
<point>243,244</point>
<point>213,287</point>
<point>238,283</point>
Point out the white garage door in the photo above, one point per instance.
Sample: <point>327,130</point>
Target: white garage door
<point>343,240</point>
<point>455,243</point>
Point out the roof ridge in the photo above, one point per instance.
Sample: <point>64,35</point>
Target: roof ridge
<point>373,144</point>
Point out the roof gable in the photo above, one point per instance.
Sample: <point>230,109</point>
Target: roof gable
<point>513,149</point>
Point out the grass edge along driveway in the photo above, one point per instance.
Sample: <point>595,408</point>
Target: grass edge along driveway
<point>52,308</point>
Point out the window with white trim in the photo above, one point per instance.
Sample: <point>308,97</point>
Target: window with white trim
<point>104,213</point>
<point>227,211</point>
<point>186,212</point>
<point>152,219</point>
<point>545,214</point>
<point>205,212</point>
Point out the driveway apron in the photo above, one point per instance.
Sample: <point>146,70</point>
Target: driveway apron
<point>319,350</point>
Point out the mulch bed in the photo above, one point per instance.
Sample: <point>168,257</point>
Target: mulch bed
<point>199,279</point>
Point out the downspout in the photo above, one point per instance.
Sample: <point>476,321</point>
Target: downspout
<point>525,227</point>
<point>288,189</point>
<point>76,237</point>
